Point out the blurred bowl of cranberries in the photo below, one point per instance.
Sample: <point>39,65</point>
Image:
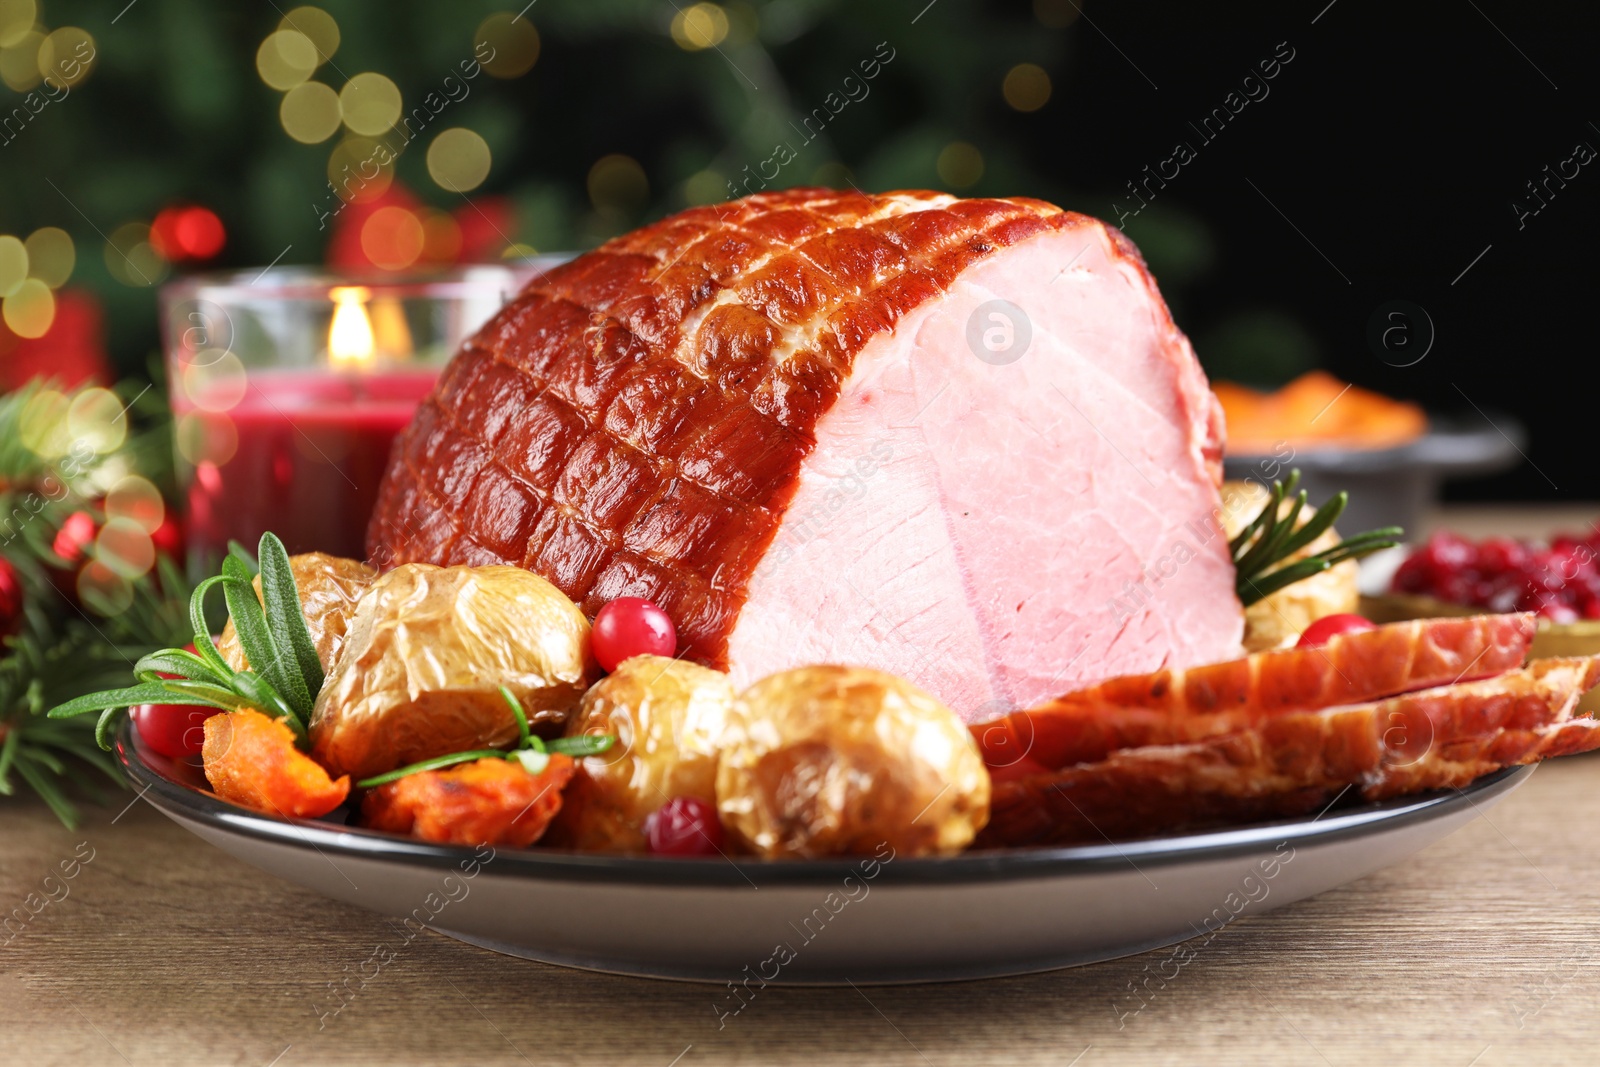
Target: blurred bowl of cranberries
<point>1557,580</point>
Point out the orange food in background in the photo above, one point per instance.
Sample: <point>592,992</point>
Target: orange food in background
<point>490,801</point>
<point>251,761</point>
<point>1311,411</point>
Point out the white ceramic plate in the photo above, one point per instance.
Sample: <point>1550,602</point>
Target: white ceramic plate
<point>870,920</point>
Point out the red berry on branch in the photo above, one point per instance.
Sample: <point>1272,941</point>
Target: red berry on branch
<point>72,541</point>
<point>11,599</point>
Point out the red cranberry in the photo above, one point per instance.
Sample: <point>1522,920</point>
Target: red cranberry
<point>684,826</point>
<point>630,626</point>
<point>176,730</point>
<point>1330,626</point>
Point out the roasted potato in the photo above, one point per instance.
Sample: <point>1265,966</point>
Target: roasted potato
<point>669,718</point>
<point>841,760</point>
<point>425,653</point>
<point>329,587</point>
<point>1277,621</point>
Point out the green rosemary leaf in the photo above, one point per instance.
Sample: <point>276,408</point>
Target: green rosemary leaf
<point>1261,549</point>
<point>179,661</point>
<point>253,691</point>
<point>242,554</point>
<point>1254,557</point>
<point>8,753</point>
<point>42,756</point>
<point>112,699</point>
<point>286,617</point>
<point>206,647</point>
<point>49,792</point>
<point>269,660</point>
<point>430,765</point>
<point>103,728</point>
<point>583,744</point>
<point>1260,588</point>
<point>523,733</point>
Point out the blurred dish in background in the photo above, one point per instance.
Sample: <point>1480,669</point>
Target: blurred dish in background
<point>1316,410</point>
<point>1388,454</point>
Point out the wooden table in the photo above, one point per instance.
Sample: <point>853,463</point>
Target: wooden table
<point>1479,952</point>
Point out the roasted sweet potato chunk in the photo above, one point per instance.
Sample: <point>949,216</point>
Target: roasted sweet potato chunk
<point>487,802</point>
<point>250,760</point>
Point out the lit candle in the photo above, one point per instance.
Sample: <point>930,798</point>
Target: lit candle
<point>290,389</point>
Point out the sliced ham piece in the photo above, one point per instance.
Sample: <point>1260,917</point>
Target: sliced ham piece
<point>957,440</point>
<point>1173,706</point>
<point>1299,762</point>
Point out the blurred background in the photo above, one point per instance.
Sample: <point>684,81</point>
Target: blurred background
<point>1433,158</point>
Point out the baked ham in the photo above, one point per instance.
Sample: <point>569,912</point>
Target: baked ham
<point>804,424</point>
<point>1300,762</point>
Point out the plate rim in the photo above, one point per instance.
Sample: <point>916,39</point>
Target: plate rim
<point>188,804</point>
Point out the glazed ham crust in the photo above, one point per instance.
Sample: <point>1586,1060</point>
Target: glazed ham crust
<point>1299,763</point>
<point>635,422</point>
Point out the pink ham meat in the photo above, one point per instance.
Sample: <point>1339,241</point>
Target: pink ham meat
<point>958,440</point>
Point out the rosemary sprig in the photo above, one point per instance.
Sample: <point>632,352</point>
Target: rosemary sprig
<point>284,675</point>
<point>1268,540</point>
<point>531,751</point>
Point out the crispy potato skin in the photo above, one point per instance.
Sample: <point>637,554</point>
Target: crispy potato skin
<point>669,718</point>
<point>1278,620</point>
<point>426,650</point>
<point>329,587</point>
<point>843,760</point>
<point>487,802</point>
<point>250,760</point>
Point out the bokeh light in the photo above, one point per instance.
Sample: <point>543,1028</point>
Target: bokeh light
<point>458,160</point>
<point>441,237</point>
<point>700,26</point>
<point>215,381</point>
<point>187,232</point>
<point>125,548</point>
<point>131,258</point>
<point>16,19</point>
<point>102,590</point>
<point>66,56</point>
<point>1026,87</point>
<point>136,499</point>
<point>617,185</point>
<point>19,63</point>
<point>370,103</point>
<point>42,426</point>
<point>30,310</point>
<point>286,58</point>
<point>98,418</point>
<point>514,44</point>
<point>203,438</point>
<point>316,24</point>
<point>960,165</point>
<point>13,264</point>
<point>705,187</point>
<point>51,255</point>
<point>350,163</point>
<point>392,238</point>
<point>310,112</point>
<point>1056,14</point>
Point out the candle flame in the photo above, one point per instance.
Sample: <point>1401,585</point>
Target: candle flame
<point>350,343</point>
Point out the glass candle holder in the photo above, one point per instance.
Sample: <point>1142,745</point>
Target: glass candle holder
<point>289,386</point>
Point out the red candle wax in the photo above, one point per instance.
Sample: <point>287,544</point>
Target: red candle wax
<point>312,448</point>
